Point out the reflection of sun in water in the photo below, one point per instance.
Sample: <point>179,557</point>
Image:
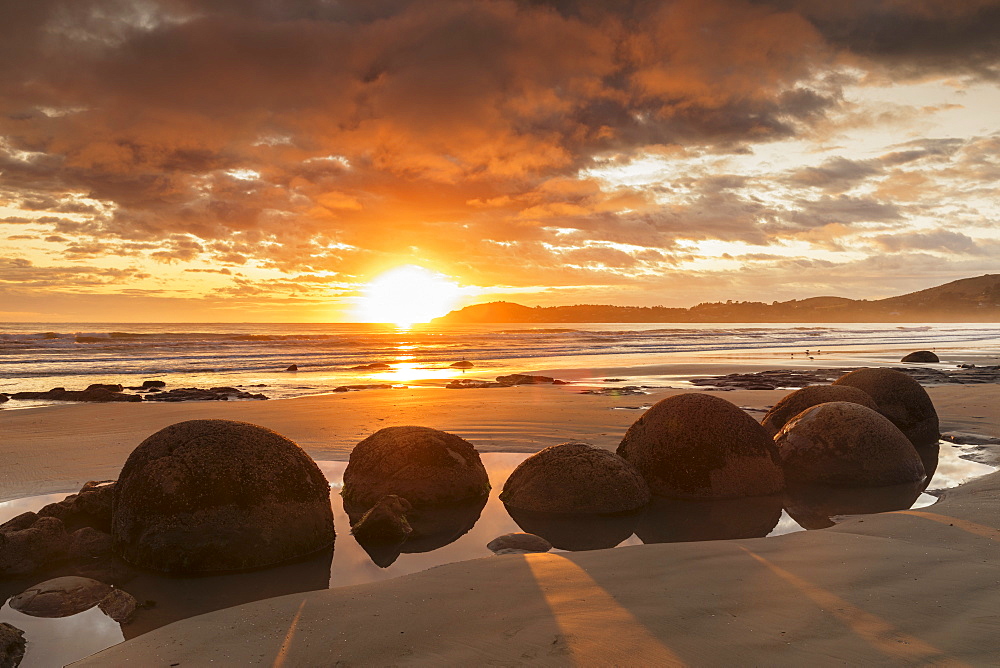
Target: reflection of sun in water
<point>407,295</point>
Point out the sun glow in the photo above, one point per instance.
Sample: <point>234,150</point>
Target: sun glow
<point>407,295</point>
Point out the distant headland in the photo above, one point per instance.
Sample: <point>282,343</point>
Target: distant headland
<point>974,299</point>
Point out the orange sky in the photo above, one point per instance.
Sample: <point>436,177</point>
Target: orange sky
<point>263,160</point>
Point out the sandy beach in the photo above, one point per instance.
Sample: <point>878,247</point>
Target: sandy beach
<point>903,588</point>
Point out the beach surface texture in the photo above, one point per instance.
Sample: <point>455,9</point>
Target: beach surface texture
<point>902,588</point>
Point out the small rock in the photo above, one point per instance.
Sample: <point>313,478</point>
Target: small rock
<point>464,364</point>
<point>518,543</point>
<point>60,597</point>
<point>385,522</point>
<point>11,645</point>
<point>147,384</point>
<point>119,605</point>
<point>292,367</point>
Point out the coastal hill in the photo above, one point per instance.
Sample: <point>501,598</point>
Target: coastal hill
<point>966,300</point>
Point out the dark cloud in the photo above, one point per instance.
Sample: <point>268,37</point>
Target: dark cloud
<point>314,136</point>
<point>836,175</point>
<point>944,241</point>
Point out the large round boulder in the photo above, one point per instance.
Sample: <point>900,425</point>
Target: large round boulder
<point>216,495</point>
<point>899,398</point>
<point>575,478</point>
<point>699,446</point>
<point>843,444</point>
<point>806,397</point>
<point>925,356</point>
<point>425,466</point>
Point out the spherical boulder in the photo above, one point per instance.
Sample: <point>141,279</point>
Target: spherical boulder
<point>921,356</point>
<point>205,496</point>
<point>575,478</point>
<point>899,398</point>
<point>801,399</point>
<point>699,446</point>
<point>843,444</point>
<point>425,466</point>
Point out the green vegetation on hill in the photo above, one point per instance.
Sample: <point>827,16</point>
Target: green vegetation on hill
<point>967,300</point>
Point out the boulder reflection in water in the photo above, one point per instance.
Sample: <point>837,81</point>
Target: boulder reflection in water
<point>432,528</point>
<point>176,598</point>
<point>668,520</point>
<point>574,532</point>
<point>813,506</point>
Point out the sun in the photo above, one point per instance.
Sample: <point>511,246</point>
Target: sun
<point>407,295</point>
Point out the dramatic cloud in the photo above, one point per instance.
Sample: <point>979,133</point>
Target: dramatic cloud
<point>500,141</point>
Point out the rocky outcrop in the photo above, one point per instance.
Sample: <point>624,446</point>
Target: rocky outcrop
<point>12,644</point>
<point>470,384</point>
<point>292,367</point>
<point>901,399</point>
<point>575,478</point>
<point>96,394</point>
<point>60,597</point>
<point>425,466</point>
<point>844,444</point>
<point>29,543</point>
<point>384,522</point>
<point>923,356</point>
<point>91,507</point>
<point>110,387</point>
<point>526,379</point>
<point>518,543</point>
<point>199,394</point>
<point>806,397</point>
<point>204,496</point>
<point>464,364</point>
<point>700,446</point>
<point>355,388</point>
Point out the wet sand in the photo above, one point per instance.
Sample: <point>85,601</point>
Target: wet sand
<point>58,448</point>
<point>904,588</point>
<point>899,588</point>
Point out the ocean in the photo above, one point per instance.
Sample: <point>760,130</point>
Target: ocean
<point>40,356</point>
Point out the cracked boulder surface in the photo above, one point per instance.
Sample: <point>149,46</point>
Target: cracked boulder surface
<point>698,446</point>
<point>901,399</point>
<point>807,397</point>
<point>425,466</point>
<point>207,496</point>
<point>60,597</point>
<point>575,478</point>
<point>845,444</point>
